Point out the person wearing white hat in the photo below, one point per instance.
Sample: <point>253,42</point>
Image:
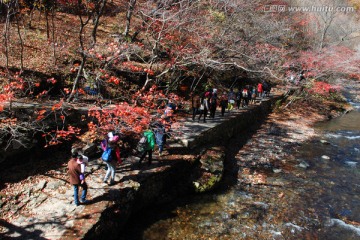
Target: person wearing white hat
<point>114,158</point>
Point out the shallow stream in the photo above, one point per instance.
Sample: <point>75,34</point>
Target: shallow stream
<point>316,196</point>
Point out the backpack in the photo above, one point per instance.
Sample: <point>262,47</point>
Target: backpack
<point>142,145</point>
<point>107,155</point>
<point>244,94</point>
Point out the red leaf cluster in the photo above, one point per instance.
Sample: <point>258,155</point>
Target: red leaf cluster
<point>122,118</point>
<point>323,88</point>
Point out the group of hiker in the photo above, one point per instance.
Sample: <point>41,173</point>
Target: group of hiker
<point>209,100</point>
<point>157,132</point>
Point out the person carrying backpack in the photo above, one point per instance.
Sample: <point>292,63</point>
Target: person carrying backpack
<point>111,156</point>
<point>149,145</point>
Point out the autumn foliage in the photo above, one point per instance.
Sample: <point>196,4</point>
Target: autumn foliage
<point>323,88</point>
<point>78,52</point>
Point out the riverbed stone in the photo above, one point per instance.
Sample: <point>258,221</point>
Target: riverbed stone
<point>261,205</point>
<point>304,165</point>
<point>323,141</point>
<point>351,163</point>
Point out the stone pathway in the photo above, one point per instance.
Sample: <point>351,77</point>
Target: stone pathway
<point>191,130</point>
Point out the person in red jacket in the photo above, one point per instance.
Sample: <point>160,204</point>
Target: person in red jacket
<point>260,89</point>
<point>77,179</point>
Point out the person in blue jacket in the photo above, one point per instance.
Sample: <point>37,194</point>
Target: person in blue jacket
<point>159,131</point>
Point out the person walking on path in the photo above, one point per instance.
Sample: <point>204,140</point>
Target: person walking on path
<point>166,122</point>
<point>245,99</point>
<point>213,103</point>
<point>250,90</point>
<point>77,180</point>
<point>204,106</point>
<point>195,104</point>
<point>231,99</point>
<point>150,145</point>
<point>266,88</point>
<point>223,103</point>
<point>260,90</point>
<point>159,131</point>
<point>170,108</point>
<point>238,99</point>
<point>81,159</point>
<point>253,95</point>
<point>114,158</point>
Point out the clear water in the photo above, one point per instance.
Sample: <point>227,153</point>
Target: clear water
<point>318,201</point>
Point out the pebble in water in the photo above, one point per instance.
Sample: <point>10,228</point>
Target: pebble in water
<point>351,163</point>
<point>324,141</point>
<point>304,165</point>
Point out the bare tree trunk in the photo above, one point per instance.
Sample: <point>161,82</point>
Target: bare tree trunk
<point>6,36</point>
<point>324,32</point>
<point>98,14</point>
<point>82,49</point>
<point>21,44</point>
<point>53,33</point>
<point>47,23</point>
<point>31,16</point>
<point>128,17</point>
<point>154,53</point>
<point>78,75</point>
<point>327,19</point>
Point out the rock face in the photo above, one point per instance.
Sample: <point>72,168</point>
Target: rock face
<point>211,169</point>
